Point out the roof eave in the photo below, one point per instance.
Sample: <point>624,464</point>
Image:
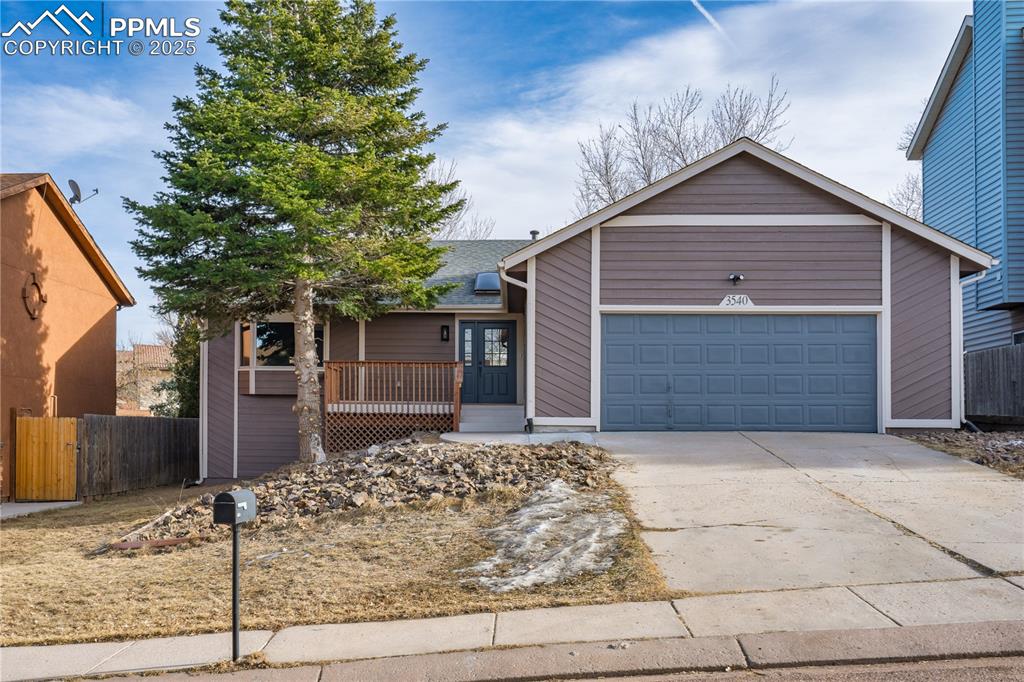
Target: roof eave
<point>930,115</point>
<point>55,198</point>
<point>861,201</point>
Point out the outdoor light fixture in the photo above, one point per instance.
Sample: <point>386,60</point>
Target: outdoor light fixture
<point>444,332</point>
<point>735,277</point>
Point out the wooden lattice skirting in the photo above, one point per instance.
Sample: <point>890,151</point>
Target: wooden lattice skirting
<point>344,432</point>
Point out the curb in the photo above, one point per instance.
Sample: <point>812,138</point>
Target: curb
<point>700,654</point>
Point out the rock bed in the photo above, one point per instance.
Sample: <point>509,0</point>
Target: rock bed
<point>393,475</point>
<point>1000,450</point>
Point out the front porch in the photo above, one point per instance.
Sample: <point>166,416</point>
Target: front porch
<point>367,402</point>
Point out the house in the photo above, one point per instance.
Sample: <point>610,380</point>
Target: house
<point>140,371</point>
<point>744,291</point>
<point>970,141</point>
<point>58,318</point>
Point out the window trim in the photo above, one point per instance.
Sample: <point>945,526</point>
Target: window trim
<point>278,319</point>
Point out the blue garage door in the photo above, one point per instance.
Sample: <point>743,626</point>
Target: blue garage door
<point>726,372</point>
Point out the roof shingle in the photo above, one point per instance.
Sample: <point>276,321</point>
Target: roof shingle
<point>466,258</point>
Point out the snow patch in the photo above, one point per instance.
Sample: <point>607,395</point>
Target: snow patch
<point>557,534</point>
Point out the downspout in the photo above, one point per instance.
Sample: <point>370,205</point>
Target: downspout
<point>522,285</point>
<point>963,388</point>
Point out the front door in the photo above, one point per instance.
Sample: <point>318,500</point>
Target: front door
<point>489,361</point>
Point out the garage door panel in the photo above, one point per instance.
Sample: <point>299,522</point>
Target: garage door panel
<point>687,417</point>
<point>723,372</point>
<point>649,354</point>
<point>754,324</point>
<point>686,384</point>
<point>754,355</point>
<point>619,354</point>
<point>755,385</point>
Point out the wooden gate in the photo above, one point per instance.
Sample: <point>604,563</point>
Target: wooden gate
<point>45,459</point>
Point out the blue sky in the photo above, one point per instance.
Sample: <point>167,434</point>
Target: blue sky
<point>518,83</point>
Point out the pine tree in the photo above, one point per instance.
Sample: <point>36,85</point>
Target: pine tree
<point>295,181</point>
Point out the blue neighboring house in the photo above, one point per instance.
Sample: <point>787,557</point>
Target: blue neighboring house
<point>970,141</point>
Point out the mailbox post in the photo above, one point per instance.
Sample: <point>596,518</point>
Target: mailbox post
<point>234,508</point>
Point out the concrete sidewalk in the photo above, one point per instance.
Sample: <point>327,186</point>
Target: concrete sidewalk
<point>12,510</point>
<point>699,633</point>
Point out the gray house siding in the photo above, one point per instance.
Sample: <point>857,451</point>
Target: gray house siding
<point>802,265</point>
<point>271,382</point>
<point>343,341</point>
<point>220,407</point>
<point>267,433</point>
<point>921,336</point>
<point>742,184</point>
<point>410,336</point>
<point>562,327</point>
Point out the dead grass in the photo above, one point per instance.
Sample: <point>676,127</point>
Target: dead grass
<point>989,449</point>
<point>359,566</point>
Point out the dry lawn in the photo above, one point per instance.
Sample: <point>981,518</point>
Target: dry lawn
<point>999,450</point>
<point>353,566</point>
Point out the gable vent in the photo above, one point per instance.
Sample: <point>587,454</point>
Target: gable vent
<point>487,283</point>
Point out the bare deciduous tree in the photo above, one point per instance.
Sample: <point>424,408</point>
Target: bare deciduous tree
<point>604,178</point>
<point>908,197</point>
<point>654,141</point>
<point>466,222</point>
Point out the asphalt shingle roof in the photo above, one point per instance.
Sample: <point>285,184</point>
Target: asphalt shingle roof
<point>465,259</point>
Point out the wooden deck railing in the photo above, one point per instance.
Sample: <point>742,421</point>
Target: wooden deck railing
<point>372,401</point>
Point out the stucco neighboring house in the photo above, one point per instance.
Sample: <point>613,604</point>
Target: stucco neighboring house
<point>744,291</point>
<point>140,371</point>
<point>58,324</point>
<point>970,141</point>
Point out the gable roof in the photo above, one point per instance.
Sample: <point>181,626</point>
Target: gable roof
<point>465,259</point>
<point>930,115</point>
<point>748,146</point>
<point>16,183</point>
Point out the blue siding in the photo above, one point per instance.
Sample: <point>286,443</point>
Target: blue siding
<point>973,169</point>
<point>1014,126</point>
<point>988,142</point>
<point>948,164</point>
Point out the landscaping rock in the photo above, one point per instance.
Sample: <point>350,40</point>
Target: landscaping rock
<point>394,475</point>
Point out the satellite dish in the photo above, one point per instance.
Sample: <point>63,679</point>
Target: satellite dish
<point>76,193</point>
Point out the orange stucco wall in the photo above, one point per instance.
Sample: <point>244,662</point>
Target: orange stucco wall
<point>69,350</point>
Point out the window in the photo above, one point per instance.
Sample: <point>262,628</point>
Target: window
<point>495,347</point>
<point>275,344</point>
<point>467,346</point>
<point>1018,338</point>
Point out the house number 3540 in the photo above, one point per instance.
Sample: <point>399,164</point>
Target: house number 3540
<point>735,300</point>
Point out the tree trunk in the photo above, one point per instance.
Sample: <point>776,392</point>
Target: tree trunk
<point>307,397</point>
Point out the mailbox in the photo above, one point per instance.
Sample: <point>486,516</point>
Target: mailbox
<point>234,507</point>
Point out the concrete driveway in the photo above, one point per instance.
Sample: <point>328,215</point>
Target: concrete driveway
<point>738,512</point>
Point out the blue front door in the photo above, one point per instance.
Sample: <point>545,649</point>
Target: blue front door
<point>488,361</point>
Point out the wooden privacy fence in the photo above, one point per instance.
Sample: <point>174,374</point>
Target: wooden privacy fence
<point>994,383</point>
<point>44,463</point>
<point>64,458</point>
<point>368,402</point>
<point>120,454</point>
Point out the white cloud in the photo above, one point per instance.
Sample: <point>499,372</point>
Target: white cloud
<point>856,74</point>
<point>47,125</point>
